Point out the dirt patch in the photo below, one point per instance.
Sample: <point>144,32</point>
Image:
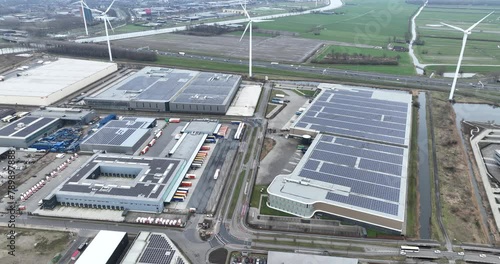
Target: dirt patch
<point>34,246</point>
<point>466,129</point>
<point>269,144</point>
<point>31,170</point>
<point>460,211</point>
<point>218,256</point>
<point>280,48</point>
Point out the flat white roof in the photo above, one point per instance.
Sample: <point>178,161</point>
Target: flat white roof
<point>245,101</point>
<point>47,79</point>
<point>101,248</point>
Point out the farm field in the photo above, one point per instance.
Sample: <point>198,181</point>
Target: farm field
<point>405,66</point>
<point>442,44</point>
<point>280,48</point>
<point>370,22</point>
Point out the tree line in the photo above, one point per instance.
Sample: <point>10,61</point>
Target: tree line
<point>357,59</point>
<point>208,30</point>
<point>98,51</point>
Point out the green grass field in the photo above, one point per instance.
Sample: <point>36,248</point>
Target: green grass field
<point>254,200</point>
<point>236,193</point>
<point>475,69</point>
<point>405,66</point>
<point>412,203</point>
<point>370,22</point>
<point>442,44</point>
<point>130,28</point>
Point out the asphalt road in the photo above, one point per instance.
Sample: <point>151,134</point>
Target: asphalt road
<point>389,79</point>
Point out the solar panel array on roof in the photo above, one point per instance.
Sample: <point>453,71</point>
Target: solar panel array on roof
<point>13,127</point>
<point>137,83</point>
<point>372,172</point>
<point>164,89</point>
<point>355,113</point>
<point>220,87</point>
<point>110,136</point>
<point>157,251</point>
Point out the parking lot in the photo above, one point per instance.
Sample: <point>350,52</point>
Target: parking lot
<point>288,112</point>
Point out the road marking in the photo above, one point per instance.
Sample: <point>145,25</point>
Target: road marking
<point>293,163</point>
<point>287,170</point>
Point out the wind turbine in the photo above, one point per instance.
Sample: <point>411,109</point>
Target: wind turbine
<point>82,3</point>
<point>249,25</point>
<point>106,22</point>
<point>466,32</point>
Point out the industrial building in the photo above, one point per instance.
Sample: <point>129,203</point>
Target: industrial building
<point>25,131</point>
<point>120,183</point>
<point>356,167</point>
<point>372,115</point>
<point>68,115</point>
<point>210,93</point>
<point>203,126</point>
<point>164,89</point>
<point>276,257</point>
<point>150,247</point>
<point>120,136</point>
<point>48,83</point>
<point>106,248</point>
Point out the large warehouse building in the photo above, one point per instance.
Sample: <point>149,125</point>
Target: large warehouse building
<point>49,83</point>
<point>106,248</point>
<point>151,248</point>
<point>120,136</point>
<point>356,167</point>
<point>164,89</point>
<point>68,115</point>
<point>121,183</point>
<point>25,131</point>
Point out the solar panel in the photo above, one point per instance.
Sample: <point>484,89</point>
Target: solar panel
<point>381,167</point>
<point>157,251</point>
<point>138,83</point>
<point>368,145</point>
<point>311,165</point>
<point>334,158</point>
<point>363,153</point>
<point>375,205</point>
<point>358,134</point>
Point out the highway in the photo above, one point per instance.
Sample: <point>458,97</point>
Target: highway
<point>421,82</point>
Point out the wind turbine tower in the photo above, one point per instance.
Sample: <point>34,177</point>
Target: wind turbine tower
<point>249,28</point>
<point>466,32</point>
<point>105,18</point>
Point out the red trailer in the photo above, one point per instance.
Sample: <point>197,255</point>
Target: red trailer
<point>186,184</point>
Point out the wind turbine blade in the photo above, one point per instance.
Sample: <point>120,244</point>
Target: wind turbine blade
<point>457,28</point>
<point>245,10</point>
<point>109,7</point>
<point>109,23</point>
<point>245,31</point>
<point>477,23</point>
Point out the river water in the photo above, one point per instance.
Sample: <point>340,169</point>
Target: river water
<point>424,181</point>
